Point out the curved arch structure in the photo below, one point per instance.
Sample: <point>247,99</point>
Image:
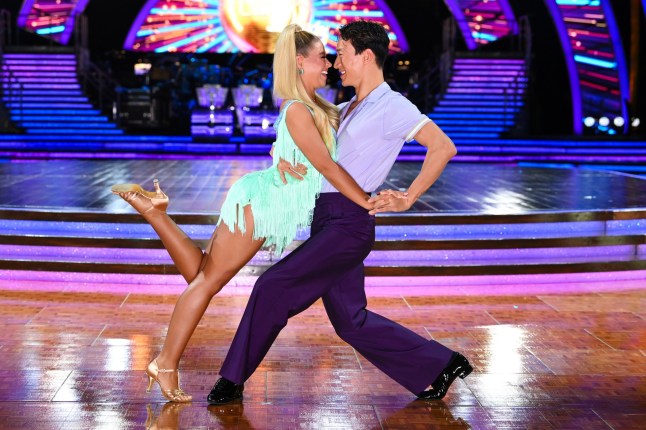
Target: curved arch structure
<point>53,19</point>
<point>220,26</point>
<point>595,60</point>
<point>483,21</point>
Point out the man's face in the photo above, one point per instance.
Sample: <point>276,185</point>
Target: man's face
<point>348,63</point>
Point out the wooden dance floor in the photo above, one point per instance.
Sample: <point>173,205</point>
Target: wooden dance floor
<point>548,352</point>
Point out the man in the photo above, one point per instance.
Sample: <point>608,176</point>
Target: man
<point>374,126</point>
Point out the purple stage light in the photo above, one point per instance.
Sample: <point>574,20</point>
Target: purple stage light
<point>53,19</point>
<point>488,285</point>
<point>483,21</point>
<point>594,58</point>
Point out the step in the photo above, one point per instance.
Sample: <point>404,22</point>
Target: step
<point>40,62</point>
<point>41,80</point>
<point>503,73</point>
<point>478,97</point>
<point>38,74</point>
<point>503,91</point>
<point>449,129</point>
<point>475,134</point>
<point>36,69</point>
<point>32,105</point>
<point>34,86</point>
<point>56,99</point>
<point>560,143</point>
<point>510,103</point>
<point>410,258</point>
<point>486,85</point>
<point>485,68</point>
<point>498,79</point>
<point>468,109</point>
<point>80,126</point>
<point>62,112</point>
<point>459,116</point>
<point>23,56</point>
<point>61,118</point>
<point>466,60</point>
<point>68,131</point>
<point>46,93</point>
<point>466,122</point>
<point>79,137</point>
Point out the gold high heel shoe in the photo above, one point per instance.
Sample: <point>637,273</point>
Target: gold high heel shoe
<point>174,395</point>
<point>143,201</point>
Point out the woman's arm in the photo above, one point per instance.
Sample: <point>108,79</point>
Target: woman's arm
<point>306,136</point>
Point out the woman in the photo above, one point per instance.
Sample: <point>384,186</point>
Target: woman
<point>259,210</point>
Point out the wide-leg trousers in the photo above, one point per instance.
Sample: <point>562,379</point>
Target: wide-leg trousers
<point>330,265</point>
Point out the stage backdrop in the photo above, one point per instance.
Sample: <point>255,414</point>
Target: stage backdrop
<point>250,26</point>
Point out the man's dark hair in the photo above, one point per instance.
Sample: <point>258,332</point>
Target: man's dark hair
<point>367,35</point>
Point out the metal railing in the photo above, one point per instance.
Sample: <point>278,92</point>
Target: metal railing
<point>11,88</point>
<point>95,83</point>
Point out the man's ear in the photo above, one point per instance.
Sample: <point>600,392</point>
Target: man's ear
<point>368,56</point>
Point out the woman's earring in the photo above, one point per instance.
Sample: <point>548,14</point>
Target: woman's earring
<point>301,71</point>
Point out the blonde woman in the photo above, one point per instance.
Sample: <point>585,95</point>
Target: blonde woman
<point>260,210</point>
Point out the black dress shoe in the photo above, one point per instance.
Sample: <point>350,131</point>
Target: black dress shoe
<point>225,391</point>
<point>458,366</point>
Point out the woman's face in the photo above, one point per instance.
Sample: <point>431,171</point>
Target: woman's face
<point>315,66</point>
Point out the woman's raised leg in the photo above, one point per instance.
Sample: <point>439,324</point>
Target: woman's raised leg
<point>186,254</point>
<point>226,254</point>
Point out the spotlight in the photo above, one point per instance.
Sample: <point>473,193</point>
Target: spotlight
<point>589,121</point>
<point>619,121</point>
<point>604,121</point>
<point>635,122</point>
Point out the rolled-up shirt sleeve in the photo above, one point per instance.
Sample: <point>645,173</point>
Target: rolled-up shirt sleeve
<point>402,119</point>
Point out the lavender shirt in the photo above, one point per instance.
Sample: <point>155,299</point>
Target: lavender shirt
<point>370,138</point>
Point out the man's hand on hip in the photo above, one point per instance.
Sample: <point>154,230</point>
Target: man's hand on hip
<point>297,172</point>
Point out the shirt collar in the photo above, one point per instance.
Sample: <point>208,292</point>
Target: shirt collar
<point>372,97</point>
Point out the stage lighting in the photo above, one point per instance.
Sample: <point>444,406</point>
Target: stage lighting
<point>604,121</point>
<point>619,121</point>
<point>635,122</point>
<point>142,69</point>
<point>589,121</point>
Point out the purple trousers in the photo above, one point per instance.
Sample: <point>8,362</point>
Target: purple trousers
<point>330,265</point>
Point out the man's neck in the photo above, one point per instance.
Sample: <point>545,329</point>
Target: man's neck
<point>368,84</point>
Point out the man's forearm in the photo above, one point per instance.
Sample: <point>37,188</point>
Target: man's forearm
<point>434,164</point>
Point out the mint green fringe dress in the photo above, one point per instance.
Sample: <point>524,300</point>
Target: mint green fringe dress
<point>279,210</point>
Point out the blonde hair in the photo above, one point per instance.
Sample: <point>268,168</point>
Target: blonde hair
<point>295,41</point>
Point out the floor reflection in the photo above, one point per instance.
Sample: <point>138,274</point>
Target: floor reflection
<point>230,416</point>
<point>421,414</point>
<point>168,417</point>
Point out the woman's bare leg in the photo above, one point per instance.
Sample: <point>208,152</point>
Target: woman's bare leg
<point>186,254</point>
<point>226,254</point>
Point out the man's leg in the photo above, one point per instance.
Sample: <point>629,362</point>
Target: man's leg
<point>342,236</point>
<point>288,288</point>
<point>408,358</point>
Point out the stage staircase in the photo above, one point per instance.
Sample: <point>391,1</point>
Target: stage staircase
<point>483,100</point>
<point>484,104</point>
<point>44,97</point>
